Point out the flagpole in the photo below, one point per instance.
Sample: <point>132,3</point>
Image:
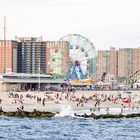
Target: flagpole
<point>39,76</point>
<point>4,44</point>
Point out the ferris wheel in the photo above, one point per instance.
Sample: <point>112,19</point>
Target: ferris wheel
<point>82,57</point>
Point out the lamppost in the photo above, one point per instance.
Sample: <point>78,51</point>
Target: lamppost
<point>39,77</point>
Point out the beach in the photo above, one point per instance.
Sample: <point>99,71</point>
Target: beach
<point>79,100</point>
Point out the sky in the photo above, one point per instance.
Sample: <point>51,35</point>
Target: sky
<point>106,23</point>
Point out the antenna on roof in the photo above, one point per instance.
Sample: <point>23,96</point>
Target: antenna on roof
<point>4,44</point>
<point>4,28</point>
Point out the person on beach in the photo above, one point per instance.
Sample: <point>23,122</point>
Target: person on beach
<point>43,101</point>
<point>99,108</point>
<point>121,110</point>
<point>107,110</point>
<point>22,107</point>
<point>1,109</point>
<point>21,97</point>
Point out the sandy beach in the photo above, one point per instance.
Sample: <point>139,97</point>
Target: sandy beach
<point>79,100</point>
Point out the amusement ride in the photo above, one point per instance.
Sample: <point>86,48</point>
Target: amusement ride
<point>82,59</point>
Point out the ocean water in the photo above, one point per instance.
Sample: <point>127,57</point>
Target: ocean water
<point>12,128</point>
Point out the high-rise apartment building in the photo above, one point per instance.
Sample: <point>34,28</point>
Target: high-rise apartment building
<point>120,63</point>
<point>102,62</point>
<point>57,55</point>
<point>8,56</point>
<point>31,55</point>
<point>113,61</point>
<point>136,59</point>
<point>107,62</point>
<point>35,54</point>
<point>125,62</point>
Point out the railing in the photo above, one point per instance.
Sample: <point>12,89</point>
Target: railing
<point>135,74</point>
<point>133,77</point>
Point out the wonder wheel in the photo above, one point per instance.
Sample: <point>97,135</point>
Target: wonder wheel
<point>82,57</point>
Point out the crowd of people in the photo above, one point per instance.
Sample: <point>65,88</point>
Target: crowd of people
<point>94,101</point>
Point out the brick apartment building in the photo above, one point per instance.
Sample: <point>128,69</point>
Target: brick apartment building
<point>120,63</point>
<point>57,55</point>
<point>31,55</point>
<point>8,56</point>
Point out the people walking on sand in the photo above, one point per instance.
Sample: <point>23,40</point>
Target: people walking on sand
<point>1,109</point>
<point>43,101</point>
<point>77,104</point>
<point>78,100</point>
<point>107,110</point>
<point>38,100</point>
<point>21,96</point>
<point>121,110</point>
<point>22,107</point>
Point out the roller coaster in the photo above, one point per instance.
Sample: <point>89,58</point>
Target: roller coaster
<point>134,77</point>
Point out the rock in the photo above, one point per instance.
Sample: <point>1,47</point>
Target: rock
<point>35,114</point>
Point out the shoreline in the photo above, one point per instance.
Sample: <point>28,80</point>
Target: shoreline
<point>38,114</point>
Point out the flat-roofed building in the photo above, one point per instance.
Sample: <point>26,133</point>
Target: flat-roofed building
<point>107,62</point>
<point>125,62</point>
<point>29,82</point>
<point>8,56</point>
<point>121,63</point>
<point>102,62</point>
<point>113,61</point>
<point>57,55</point>
<point>136,59</point>
<point>31,55</point>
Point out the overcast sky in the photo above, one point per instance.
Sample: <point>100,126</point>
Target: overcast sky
<point>105,23</point>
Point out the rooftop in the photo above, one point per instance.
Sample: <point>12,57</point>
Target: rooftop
<point>28,78</point>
